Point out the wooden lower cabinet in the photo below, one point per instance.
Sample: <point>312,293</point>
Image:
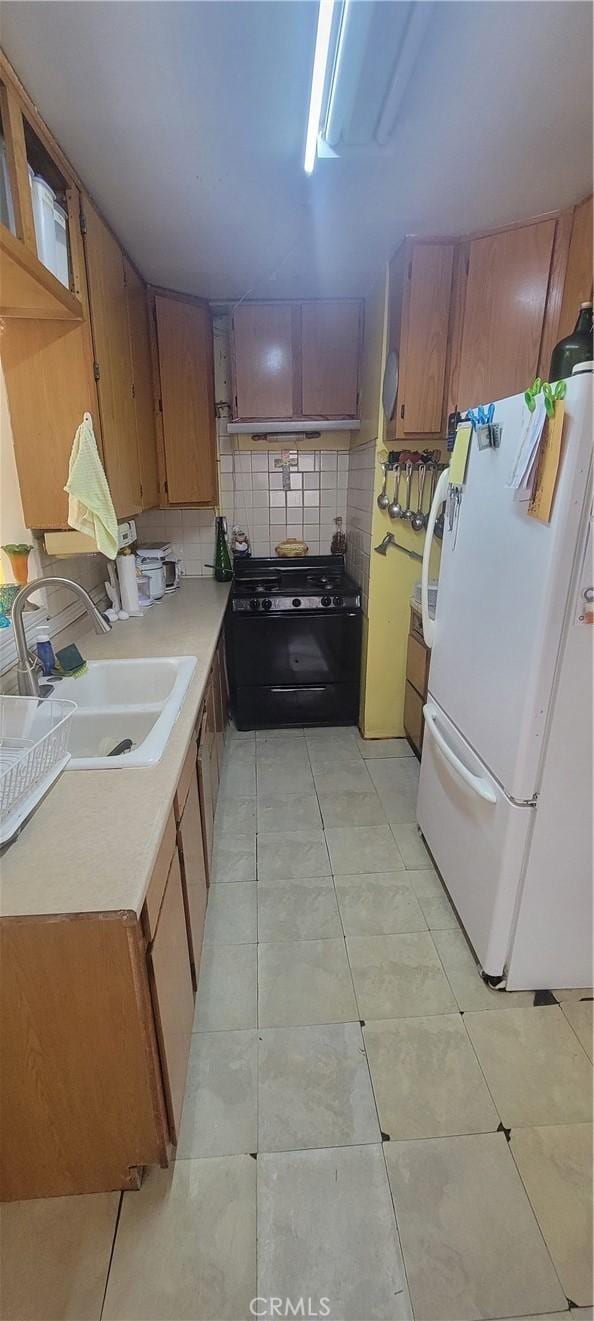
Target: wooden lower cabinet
<point>417,680</point>
<point>191,850</point>
<point>81,1093</point>
<point>97,1009</point>
<point>206,791</point>
<point>173,994</point>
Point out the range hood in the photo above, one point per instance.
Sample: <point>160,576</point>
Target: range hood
<point>299,426</point>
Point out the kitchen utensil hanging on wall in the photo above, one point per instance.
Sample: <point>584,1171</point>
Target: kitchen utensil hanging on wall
<point>417,521</point>
<point>407,511</point>
<point>383,498</point>
<point>395,508</point>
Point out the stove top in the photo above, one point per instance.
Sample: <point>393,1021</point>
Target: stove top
<point>315,582</point>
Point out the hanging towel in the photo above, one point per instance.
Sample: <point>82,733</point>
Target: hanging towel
<point>90,507</point>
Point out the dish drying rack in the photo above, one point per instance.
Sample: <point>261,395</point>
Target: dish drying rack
<point>34,737</point>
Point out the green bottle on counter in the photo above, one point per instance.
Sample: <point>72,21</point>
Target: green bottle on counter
<point>223,568</point>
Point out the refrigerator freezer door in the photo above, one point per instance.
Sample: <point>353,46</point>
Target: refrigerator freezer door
<point>502,597</point>
<point>552,944</point>
<point>477,837</point>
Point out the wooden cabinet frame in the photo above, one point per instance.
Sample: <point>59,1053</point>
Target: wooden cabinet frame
<point>29,289</point>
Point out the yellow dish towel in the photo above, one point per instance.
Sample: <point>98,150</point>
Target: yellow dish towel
<point>90,507</point>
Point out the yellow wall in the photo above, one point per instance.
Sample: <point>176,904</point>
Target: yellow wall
<point>392,577</point>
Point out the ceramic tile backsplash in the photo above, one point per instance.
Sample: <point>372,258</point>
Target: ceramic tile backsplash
<point>359,514</point>
<point>61,610</point>
<point>252,496</point>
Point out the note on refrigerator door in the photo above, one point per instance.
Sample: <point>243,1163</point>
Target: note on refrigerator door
<point>524,468</point>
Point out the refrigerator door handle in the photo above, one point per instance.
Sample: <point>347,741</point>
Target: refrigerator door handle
<point>477,783</point>
<point>438,499</point>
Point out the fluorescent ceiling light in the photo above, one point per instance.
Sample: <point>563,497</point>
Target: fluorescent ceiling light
<point>318,82</point>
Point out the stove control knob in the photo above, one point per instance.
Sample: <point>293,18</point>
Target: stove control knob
<point>267,604</point>
<point>254,603</point>
<point>296,602</point>
<point>326,600</point>
<point>338,600</point>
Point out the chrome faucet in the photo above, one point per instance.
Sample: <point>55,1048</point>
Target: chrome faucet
<point>27,663</point>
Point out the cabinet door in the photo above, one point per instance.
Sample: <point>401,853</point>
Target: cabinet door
<point>330,345</point>
<point>424,339</point>
<point>219,709</point>
<point>578,276</point>
<point>140,349</point>
<point>184,336</point>
<point>173,995</point>
<point>413,717</point>
<point>506,294</point>
<point>109,320</point>
<point>48,367</point>
<point>264,360</point>
<point>193,871</point>
<point>206,792</point>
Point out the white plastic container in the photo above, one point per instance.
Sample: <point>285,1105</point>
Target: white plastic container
<point>44,200</point>
<point>154,571</point>
<point>433,585</point>
<point>61,234</point>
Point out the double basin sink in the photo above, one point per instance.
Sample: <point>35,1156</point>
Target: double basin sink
<point>126,710</point>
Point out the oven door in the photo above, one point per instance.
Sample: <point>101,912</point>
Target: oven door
<point>295,649</point>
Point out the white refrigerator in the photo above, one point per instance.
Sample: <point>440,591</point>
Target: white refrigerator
<point>505,792</point>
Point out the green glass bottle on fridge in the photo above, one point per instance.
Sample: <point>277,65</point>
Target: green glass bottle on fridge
<point>574,348</point>
<point>223,568</point>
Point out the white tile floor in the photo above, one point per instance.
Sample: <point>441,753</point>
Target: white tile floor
<point>351,1090</point>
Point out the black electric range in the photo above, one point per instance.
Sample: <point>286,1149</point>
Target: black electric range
<point>294,642</point>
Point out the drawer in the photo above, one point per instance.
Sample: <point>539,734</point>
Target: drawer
<point>413,717</point>
<point>158,881</point>
<point>417,665</point>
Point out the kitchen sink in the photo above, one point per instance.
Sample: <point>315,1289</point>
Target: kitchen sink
<point>127,682</point>
<point>130,702</point>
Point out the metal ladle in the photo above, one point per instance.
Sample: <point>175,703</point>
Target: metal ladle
<point>395,508</point>
<point>383,498</point>
<point>417,521</point>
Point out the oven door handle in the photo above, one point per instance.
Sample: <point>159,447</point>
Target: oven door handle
<point>298,688</point>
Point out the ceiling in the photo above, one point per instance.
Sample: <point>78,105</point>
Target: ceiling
<point>187,121</point>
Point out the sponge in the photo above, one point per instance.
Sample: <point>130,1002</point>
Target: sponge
<point>69,661</point>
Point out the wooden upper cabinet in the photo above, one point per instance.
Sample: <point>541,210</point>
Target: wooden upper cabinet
<point>296,360</point>
<point>143,386</point>
<point>420,286</point>
<point>264,360</point>
<point>578,276</point>
<point>330,347</point>
<point>113,359</point>
<point>186,379</point>
<point>506,294</point>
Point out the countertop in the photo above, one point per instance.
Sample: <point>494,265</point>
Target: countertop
<point>91,845</point>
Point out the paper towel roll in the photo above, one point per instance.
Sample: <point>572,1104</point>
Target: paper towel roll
<point>128,584</point>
